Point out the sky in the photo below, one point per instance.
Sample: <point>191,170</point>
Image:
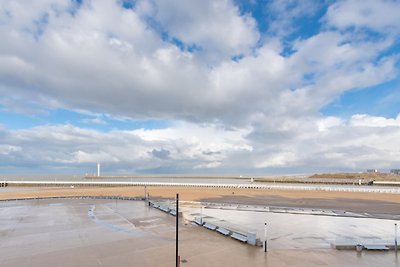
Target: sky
<point>203,87</point>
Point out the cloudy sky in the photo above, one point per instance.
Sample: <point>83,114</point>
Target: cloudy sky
<point>207,86</point>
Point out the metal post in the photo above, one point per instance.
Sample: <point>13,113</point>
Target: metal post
<point>177,235</point>
<point>145,193</point>
<point>395,237</point>
<point>265,237</point>
<point>201,214</point>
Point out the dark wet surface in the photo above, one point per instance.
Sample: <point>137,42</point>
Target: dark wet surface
<point>306,231</point>
<point>381,209</point>
<point>77,232</point>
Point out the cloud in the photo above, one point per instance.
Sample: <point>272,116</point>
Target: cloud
<point>161,153</point>
<point>216,27</point>
<point>97,120</point>
<point>173,61</point>
<point>380,16</point>
<point>327,144</point>
<point>9,149</point>
<point>186,146</point>
<point>373,121</point>
<point>307,144</point>
<point>284,15</point>
<point>106,59</point>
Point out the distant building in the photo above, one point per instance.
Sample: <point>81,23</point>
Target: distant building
<point>372,170</point>
<point>395,171</point>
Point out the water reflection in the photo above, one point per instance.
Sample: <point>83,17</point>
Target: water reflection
<point>306,231</point>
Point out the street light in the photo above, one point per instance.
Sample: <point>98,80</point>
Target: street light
<point>177,258</point>
<point>265,237</point>
<point>395,237</point>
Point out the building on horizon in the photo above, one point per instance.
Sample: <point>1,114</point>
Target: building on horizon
<point>395,171</point>
<point>372,170</point>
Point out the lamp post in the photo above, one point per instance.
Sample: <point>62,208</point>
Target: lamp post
<point>177,258</point>
<point>265,237</point>
<point>201,214</point>
<point>395,237</point>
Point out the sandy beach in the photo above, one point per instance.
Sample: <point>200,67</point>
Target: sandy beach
<point>373,203</point>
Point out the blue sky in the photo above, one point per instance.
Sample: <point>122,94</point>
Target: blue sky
<point>100,122</point>
<point>381,100</point>
<point>214,86</point>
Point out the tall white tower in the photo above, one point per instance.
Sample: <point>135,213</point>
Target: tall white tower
<point>98,169</point>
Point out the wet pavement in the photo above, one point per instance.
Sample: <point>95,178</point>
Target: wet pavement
<point>299,231</point>
<point>87,232</point>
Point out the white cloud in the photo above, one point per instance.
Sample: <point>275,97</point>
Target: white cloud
<point>373,121</point>
<point>262,111</point>
<point>337,64</point>
<point>326,123</point>
<point>90,157</point>
<point>9,149</point>
<point>215,26</point>
<point>380,16</point>
<point>278,159</point>
<point>302,144</point>
<point>96,120</point>
<point>286,13</point>
<point>188,147</point>
<point>106,59</point>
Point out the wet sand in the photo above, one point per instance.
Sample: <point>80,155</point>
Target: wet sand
<point>128,233</point>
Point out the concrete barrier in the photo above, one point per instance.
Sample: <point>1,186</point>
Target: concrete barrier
<point>252,239</point>
<point>172,212</point>
<point>199,221</point>
<point>239,237</point>
<point>223,231</point>
<point>163,208</point>
<point>210,226</point>
<point>382,245</point>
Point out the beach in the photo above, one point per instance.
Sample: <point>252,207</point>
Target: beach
<point>375,203</point>
<point>101,232</point>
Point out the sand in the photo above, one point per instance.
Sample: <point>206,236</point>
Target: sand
<point>375,203</point>
<point>88,244</point>
<point>62,233</point>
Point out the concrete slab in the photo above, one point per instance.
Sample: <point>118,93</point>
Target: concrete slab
<point>376,247</point>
